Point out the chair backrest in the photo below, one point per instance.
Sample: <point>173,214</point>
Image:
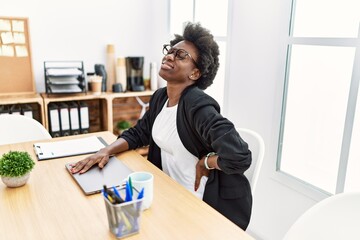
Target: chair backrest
<point>257,147</point>
<point>336,217</point>
<point>18,128</point>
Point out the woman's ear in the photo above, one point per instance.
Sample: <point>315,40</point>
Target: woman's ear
<point>195,75</point>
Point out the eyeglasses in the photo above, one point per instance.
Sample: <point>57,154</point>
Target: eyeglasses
<point>179,53</point>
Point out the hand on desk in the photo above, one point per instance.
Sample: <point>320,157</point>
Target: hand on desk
<point>101,157</point>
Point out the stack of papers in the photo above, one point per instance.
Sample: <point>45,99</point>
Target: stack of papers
<point>65,148</point>
<point>64,80</point>
<point>63,71</point>
<point>65,89</point>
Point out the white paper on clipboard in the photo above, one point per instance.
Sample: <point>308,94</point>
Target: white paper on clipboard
<point>66,148</point>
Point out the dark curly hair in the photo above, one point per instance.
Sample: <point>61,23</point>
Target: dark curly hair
<point>208,52</point>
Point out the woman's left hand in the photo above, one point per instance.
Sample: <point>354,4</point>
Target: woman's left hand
<point>200,171</point>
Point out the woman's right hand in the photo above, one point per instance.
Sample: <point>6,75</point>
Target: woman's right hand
<point>101,158</point>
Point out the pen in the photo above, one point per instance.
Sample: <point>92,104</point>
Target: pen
<point>111,196</point>
<point>117,196</point>
<point>141,194</point>
<point>128,196</point>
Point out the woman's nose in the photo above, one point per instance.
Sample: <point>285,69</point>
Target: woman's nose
<point>170,56</point>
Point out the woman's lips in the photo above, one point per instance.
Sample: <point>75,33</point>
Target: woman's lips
<point>166,65</point>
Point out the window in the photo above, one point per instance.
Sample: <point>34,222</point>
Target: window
<point>213,15</point>
<point>320,125</point>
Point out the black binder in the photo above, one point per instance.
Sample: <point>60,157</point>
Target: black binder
<point>15,109</point>
<point>26,110</point>
<point>54,120</point>
<point>64,119</point>
<point>74,118</point>
<point>84,117</point>
<point>4,109</point>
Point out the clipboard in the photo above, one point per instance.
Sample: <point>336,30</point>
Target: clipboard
<point>66,148</point>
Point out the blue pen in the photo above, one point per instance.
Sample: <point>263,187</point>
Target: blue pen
<point>128,196</point>
<point>141,194</point>
<point>117,196</point>
<point>116,192</point>
<point>104,194</point>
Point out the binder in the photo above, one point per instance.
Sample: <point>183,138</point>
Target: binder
<point>26,110</point>
<point>54,120</point>
<point>84,117</point>
<point>74,118</point>
<point>4,109</point>
<point>15,109</point>
<point>64,119</point>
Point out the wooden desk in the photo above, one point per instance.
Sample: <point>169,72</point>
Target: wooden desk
<point>52,206</point>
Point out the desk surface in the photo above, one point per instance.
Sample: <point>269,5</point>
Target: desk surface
<point>52,206</point>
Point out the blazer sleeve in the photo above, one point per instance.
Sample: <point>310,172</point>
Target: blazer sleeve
<point>219,133</point>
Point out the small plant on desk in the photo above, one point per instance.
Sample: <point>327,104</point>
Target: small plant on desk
<point>15,168</point>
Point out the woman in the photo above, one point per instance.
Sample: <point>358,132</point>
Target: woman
<point>188,138</point>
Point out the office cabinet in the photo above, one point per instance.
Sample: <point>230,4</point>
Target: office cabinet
<point>28,104</point>
<point>105,110</point>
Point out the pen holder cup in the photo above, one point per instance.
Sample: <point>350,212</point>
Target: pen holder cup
<point>124,218</point>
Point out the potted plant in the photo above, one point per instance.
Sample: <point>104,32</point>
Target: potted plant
<point>15,168</point>
<point>123,125</point>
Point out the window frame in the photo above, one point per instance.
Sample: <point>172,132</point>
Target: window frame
<point>292,181</point>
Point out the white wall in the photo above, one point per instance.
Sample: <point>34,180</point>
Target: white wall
<point>80,30</point>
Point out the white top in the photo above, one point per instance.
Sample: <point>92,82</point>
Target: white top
<point>177,162</point>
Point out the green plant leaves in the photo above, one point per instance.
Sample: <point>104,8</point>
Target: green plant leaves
<point>15,164</point>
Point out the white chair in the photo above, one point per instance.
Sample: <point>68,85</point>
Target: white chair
<point>336,217</point>
<point>257,147</point>
<point>18,128</point>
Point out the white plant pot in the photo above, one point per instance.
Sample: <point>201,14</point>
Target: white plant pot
<point>15,181</point>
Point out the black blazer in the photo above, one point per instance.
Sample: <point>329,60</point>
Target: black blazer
<point>202,129</point>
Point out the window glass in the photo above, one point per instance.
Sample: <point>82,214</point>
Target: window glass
<point>180,12</point>
<point>216,90</point>
<point>324,18</point>
<point>316,104</point>
<point>212,14</point>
